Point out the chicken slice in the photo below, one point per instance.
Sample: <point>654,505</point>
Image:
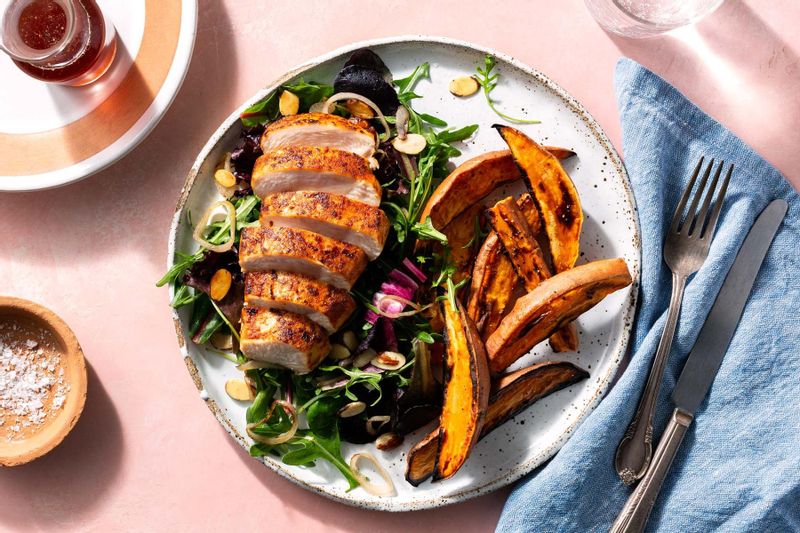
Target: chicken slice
<point>315,168</point>
<point>328,214</point>
<point>286,339</point>
<point>320,129</point>
<point>289,291</point>
<point>294,250</point>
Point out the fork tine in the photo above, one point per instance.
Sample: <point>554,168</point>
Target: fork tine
<point>691,215</point>
<point>676,218</point>
<point>700,220</point>
<point>712,222</point>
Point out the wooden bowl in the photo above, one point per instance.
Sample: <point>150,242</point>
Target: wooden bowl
<point>47,436</point>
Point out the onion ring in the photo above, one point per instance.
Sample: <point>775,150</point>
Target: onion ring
<point>353,96</point>
<point>197,235</point>
<point>376,490</point>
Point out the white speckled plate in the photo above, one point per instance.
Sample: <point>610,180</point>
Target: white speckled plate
<point>610,230</point>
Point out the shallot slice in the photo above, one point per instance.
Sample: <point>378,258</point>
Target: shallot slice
<point>353,96</point>
<point>230,212</point>
<point>376,490</point>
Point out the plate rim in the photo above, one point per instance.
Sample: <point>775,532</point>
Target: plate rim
<point>142,128</point>
<point>628,313</point>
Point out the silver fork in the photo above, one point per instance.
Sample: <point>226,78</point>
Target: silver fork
<point>685,249</point>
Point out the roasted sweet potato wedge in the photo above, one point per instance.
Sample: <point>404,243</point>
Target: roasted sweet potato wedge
<point>494,280</point>
<point>552,304</point>
<point>560,153</point>
<point>461,240</point>
<point>473,180</point>
<point>508,221</point>
<point>554,192</point>
<point>511,393</point>
<point>519,240</point>
<point>466,395</point>
<point>468,183</point>
<point>493,284</point>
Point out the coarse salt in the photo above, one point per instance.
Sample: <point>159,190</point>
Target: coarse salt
<point>32,384</point>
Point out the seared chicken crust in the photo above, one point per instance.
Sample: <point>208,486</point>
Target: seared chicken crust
<point>305,252</point>
<point>328,214</point>
<point>283,338</point>
<point>320,129</point>
<point>289,291</point>
<point>316,168</point>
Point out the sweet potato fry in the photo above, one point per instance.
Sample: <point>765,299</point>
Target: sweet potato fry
<point>509,223</point>
<point>520,243</point>
<point>492,286</point>
<point>511,393</point>
<point>466,396</point>
<point>494,280</point>
<point>555,302</point>
<point>473,180</point>
<point>555,194</point>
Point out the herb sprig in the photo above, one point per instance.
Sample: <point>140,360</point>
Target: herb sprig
<point>488,81</point>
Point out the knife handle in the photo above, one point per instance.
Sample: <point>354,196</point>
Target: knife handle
<point>634,515</point>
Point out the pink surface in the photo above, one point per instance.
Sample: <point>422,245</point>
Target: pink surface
<point>147,454</point>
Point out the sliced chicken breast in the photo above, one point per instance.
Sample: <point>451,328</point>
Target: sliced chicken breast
<point>320,129</point>
<point>286,339</point>
<point>294,250</point>
<point>315,168</point>
<point>289,291</point>
<point>328,214</point>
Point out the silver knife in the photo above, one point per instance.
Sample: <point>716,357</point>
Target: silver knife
<point>702,364</point>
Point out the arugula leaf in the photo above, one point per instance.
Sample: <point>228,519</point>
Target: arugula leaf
<point>356,376</point>
<point>177,270</point>
<point>427,232</point>
<point>320,441</point>
<point>451,136</point>
<point>258,409</point>
<point>404,85</point>
<point>184,296</point>
<point>488,81</point>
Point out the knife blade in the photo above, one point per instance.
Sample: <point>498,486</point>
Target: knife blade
<point>715,336</point>
<point>702,364</point>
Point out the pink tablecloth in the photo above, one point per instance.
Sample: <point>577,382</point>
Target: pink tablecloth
<point>147,455</point>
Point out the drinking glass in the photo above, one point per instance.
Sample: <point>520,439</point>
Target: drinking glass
<point>646,18</point>
<point>69,42</point>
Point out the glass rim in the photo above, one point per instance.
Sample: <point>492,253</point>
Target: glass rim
<point>26,54</point>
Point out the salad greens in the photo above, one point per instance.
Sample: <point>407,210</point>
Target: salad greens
<point>488,81</point>
<point>266,110</point>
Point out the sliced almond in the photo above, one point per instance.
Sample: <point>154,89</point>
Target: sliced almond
<point>359,109</point>
<point>220,284</point>
<point>222,340</point>
<point>389,360</point>
<point>464,86</point>
<point>288,103</point>
<point>375,423</point>
<point>239,390</point>
<point>388,441</point>
<point>363,359</point>
<point>350,340</point>
<point>413,144</point>
<point>352,409</point>
<point>339,352</point>
<point>225,178</point>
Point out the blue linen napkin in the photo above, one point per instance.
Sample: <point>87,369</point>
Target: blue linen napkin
<point>739,466</point>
